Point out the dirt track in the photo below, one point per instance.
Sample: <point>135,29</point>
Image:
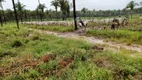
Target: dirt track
<point>93,40</point>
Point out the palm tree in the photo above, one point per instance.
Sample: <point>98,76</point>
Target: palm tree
<point>65,7</point>
<point>40,9</point>
<point>55,3</point>
<point>84,10</point>
<point>20,7</point>
<point>17,21</point>
<point>131,5</point>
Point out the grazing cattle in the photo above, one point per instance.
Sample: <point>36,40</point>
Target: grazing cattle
<point>125,22</point>
<point>120,22</point>
<point>115,24</point>
<point>82,23</point>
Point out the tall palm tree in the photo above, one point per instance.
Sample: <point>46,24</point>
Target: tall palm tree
<point>17,21</point>
<point>84,10</point>
<point>40,9</point>
<point>65,7</point>
<point>55,3</point>
<point>20,7</point>
<point>131,5</point>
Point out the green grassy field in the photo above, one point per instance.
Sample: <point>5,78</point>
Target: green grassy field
<point>121,36</point>
<point>51,28</point>
<point>27,55</point>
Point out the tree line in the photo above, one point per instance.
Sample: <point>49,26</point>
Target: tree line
<point>42,14</point>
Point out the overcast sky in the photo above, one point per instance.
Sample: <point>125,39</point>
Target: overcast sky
<point>90,4</point>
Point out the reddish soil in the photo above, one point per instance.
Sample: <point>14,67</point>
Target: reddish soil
<point>24,65</point>
<point>61,65</point>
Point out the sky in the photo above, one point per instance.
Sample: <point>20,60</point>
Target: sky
<point>89,4</point>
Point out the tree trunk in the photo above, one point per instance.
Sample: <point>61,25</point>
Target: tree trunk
<point>3,14</point>
<point>56,14</point>
<point>26,17</point>
<point>131,14</point>
<point>4,18</point>
<point>1,19</point>
<point>17,21</point>
<point>74,12</point>
<point>21,16</point>
<point>40,16</point>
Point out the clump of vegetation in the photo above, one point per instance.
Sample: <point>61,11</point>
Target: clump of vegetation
<point>7,53</point>
<point>17,43</point>
<point>36,37</point>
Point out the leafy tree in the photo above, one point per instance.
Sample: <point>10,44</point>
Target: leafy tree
<point>131,5</point>
<point>65,8</point>
<point>55,3</point>
<point>84,10</point>
<point>20,7</point>
<point>9,14</point>
<point>40,9</point>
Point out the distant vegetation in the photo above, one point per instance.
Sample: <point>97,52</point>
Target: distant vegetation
<point>42,14</point>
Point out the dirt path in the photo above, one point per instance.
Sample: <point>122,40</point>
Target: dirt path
<point>93,40</point>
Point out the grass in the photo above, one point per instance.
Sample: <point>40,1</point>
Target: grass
<point>52,28</point>
<point>124,36</point>
<point>21,53</point>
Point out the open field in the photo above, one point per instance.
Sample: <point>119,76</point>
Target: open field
<point>71,40</point>
<point>27,54</point>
